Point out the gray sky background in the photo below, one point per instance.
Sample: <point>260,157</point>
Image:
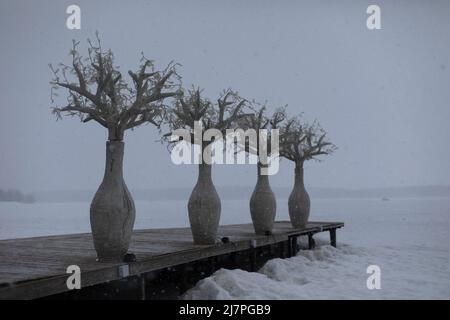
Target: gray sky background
<point>383,95</point>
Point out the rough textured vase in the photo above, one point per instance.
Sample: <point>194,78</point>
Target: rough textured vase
<point>112,209</point>
<point>299,203</point>
<point>263,205</point>
<point>204,208</point>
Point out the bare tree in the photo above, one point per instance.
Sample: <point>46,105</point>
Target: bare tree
<point>98,92</point>
<point>262,202</point>
<point>260,121</point>
<point>303,142</point>
<point>220,116</point>
<point>299,143</point>
<point>188,112</point>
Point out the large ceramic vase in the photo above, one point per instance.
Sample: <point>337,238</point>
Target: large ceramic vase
<point>299,203</point>
<point>204,208</point>
<point>263,205</point>
<point>112,209</point>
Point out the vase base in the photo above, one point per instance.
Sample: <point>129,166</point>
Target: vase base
<point>263,232</point>
<point>298,226</point>
<point>112,259</point>
<point>204,242</point>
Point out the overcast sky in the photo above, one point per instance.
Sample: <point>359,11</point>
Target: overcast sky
<point>383,95</point>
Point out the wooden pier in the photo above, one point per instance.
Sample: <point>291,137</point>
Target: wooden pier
<point>167,262</point>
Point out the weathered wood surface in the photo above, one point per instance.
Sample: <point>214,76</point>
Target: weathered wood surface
<point>36,267</point>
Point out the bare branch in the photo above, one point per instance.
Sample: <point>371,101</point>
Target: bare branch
<point>222,115</point>
<point>302,142</point>
<point>104,96</point>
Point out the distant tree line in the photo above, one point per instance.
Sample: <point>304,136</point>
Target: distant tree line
<point>16,196</point>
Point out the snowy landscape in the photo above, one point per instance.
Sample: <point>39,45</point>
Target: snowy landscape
<point>99,98</point>
<point>408,238</point>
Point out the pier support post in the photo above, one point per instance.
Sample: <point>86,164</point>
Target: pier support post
<point>233,259</point>
<point>311,242</point>
<point>186,277</point>
<point>281,249</point>
<point>143,295</point>
<point>212,265</point>
<point>292,246</point>
<point>333,237</point>
<point>253,259</point>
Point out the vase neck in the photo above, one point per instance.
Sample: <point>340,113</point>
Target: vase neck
<point>262,178</point>
<point>299,181</point>
<point>114,160</point>
<point>204,173</point>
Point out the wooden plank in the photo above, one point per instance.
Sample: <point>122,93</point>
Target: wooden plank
<point>35,267</point>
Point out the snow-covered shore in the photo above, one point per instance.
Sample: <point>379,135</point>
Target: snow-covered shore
<point>409,239</point>
<point>330,273</point>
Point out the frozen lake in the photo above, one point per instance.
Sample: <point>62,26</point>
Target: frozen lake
<point>408,238</point>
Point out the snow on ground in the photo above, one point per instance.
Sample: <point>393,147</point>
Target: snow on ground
<point>408,238</point>
<point>334,273</point>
